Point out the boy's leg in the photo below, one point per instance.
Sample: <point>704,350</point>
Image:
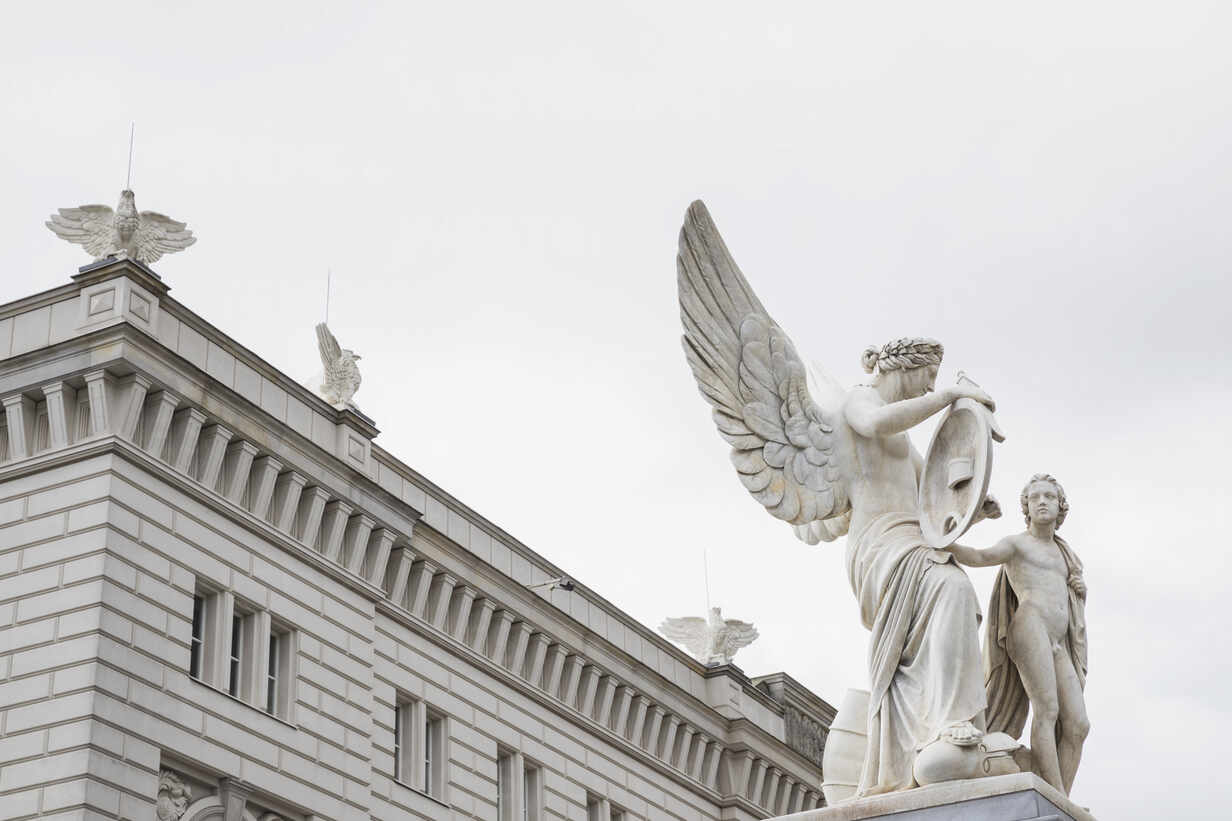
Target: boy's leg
<point>1031,651</point>
<point>1073,716</point>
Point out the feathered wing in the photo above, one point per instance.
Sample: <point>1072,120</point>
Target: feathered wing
<point>90,226</point>
<point>330,350</point>
<point>690,631</point>
<point>823,530</point>
<point>747,368</point>
<point>736,634</point>
<point>158,234</point>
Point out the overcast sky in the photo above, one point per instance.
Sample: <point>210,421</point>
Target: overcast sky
<point>498,188</point>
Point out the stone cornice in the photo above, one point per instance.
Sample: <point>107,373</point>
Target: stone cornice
<point>745,735</point>
<point>112,267</point>
<point>113,445</point>
<point>734,673</point>
<point>786,690</point>
<point>39,300</point>
<point>121,346</point>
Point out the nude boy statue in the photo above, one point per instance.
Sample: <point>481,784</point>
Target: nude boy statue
<point>1035,646</point>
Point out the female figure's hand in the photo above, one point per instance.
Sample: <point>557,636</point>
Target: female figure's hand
<point>968,390</point>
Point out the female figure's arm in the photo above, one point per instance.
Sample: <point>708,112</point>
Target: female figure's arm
<point>869,419</point>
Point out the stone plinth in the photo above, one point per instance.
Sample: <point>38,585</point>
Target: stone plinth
<point>1016,797</point>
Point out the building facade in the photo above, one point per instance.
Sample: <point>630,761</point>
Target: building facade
<point>220,599</point>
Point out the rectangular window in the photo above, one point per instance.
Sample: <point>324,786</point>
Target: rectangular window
<point>504,785</point>
<point>532,796</point>
<point>420,747</point>
<point>243,651</point>
<point>196,653</point>
<point>398,725</point>
<point>600,809</point>
<point>429,730</point>
<point>280,675</point>
<point>236,655</point>
<point>404,741</point>
<point>271,682</point>
<point>434,754</point>
<point>207,641</point>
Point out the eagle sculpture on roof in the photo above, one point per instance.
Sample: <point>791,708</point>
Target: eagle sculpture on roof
<point>124,232</point>
<point>340,378</point>
<point>713,640</point>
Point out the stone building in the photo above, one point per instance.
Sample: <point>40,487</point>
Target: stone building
<point>220,599</point>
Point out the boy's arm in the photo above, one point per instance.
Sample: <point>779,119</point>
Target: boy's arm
<point>1000,553</point>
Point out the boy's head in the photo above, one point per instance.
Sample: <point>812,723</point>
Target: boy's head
<point>1044,499</point>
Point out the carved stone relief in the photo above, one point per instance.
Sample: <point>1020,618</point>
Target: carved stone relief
<point>173,797</point>
<point>805,735</point>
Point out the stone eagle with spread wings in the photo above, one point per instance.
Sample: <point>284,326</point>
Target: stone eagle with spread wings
<point>777,414</point>
<point>124,232</point>
<point>713,640</point>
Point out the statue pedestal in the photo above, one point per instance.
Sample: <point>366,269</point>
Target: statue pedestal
<point>1015,797</point>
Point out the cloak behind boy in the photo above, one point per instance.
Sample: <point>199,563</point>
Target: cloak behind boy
<point>1007,699</point>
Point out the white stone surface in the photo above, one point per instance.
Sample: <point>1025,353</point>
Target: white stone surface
<point>832,462</point>
<point>712,640</point>
<point>124,232</point>
<point>1036,639</point>
<point>1013,797</point>
<point>846,746</point>
<point>339,378</point>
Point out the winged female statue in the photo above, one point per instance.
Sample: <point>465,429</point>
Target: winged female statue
<point>834,462</point>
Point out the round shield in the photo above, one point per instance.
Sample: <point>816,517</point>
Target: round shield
<point>957,469</point>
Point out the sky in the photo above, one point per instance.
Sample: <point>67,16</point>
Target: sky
<point>497,189</point>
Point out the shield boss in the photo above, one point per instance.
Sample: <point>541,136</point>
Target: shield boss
<point>957,469</point>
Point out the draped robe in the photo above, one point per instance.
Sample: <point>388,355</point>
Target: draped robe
<point>925,669</point>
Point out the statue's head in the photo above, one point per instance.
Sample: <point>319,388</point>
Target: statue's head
<point>1043,499</point>
<point>912,361</point>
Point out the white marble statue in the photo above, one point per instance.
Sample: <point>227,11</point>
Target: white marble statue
<point>712,640</point>
<point>124,232</point>
<point>832,462</point>
<point>339,379</point>
<point>1035,645</point>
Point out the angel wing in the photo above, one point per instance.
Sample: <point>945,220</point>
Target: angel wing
<point>690,631</point>
<point>747,368</point>
<point>158,234</point>
<point>330,350</point>
<point>90,226</point>
<point>736,634</point>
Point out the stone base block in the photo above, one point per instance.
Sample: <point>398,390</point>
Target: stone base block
<point>1016,797</point>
